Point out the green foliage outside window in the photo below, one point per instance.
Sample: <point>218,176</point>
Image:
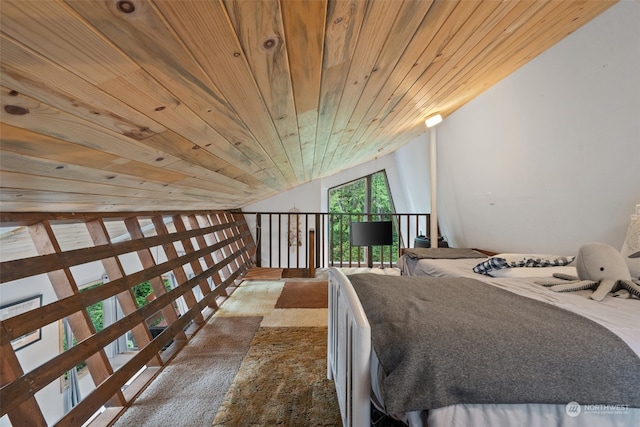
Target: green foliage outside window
<point>141,292</point>
<point>350,202</point>
<point>380,196</point>
<point>96,311</point>
<point>96,314</point>
<point>348,198</point>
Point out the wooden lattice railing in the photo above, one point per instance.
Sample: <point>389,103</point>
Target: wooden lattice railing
<point>205,253</point>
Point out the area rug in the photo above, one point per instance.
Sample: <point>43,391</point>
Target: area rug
<point>296,317</point>
<point>262,273</point>
<point>252,298</point>
<point>296,273</point>
<point>303,295</point>
<point>282,381</point>
<point>193,385</point>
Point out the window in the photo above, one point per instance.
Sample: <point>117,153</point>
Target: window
<point>369,194</point>
<point>364,199</point>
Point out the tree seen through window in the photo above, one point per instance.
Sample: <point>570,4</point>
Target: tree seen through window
<point>364,199</point>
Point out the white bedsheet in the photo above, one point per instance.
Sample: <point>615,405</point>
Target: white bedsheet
<point>462,267</point>
<point>621,316</point>
<point>536,415</point>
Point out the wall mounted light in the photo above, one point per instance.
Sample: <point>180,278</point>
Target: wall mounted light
<point>433,120</point>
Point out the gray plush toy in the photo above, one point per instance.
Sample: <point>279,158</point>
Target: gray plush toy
<point>600,267</point>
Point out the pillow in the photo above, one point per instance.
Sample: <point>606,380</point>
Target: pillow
<point>533,272</point>
<point>508,260</point>
<point>631,246</point>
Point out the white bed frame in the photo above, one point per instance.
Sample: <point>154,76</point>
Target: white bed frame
<point>349,351</point>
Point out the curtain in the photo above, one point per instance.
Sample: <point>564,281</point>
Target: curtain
<point>72,392</point>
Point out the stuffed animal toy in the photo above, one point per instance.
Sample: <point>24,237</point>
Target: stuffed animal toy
<point>600,267</point>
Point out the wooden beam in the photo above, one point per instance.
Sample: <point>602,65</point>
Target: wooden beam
<point>196,265</point>
<point>26,267</point>
<point>28,413</point>
<point>178,270</point>
<point>157,284</point>
<point>126,299</point>
<point>81,325</point>
<point>26,322</point>
<point>227,237</point>
<point>218,236</point>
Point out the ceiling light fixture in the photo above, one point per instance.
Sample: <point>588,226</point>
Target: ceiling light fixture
<point>433,120</point>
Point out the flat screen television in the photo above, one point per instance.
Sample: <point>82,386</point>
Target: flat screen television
<point>371,233</point>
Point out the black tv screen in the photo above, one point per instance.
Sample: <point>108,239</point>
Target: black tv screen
<point>372,233</point>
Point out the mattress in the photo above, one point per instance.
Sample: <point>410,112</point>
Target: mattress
<point>460,267</point>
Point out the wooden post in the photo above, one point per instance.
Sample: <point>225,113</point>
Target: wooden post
<point>312,253</point>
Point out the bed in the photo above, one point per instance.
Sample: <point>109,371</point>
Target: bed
<point>358,359</point>
<point>460,262</point>
<point>440,262</point>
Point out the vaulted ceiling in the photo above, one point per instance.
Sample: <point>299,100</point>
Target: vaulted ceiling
<point>191,104</point>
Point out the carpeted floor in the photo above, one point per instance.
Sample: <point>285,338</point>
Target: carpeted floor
<point>252,298</point>
<point>303,294</point>
<point>260,361</point>
<point>190,389</point>
<point>282,381</point>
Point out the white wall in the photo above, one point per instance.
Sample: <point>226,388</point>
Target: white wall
<point>413,174</point>
<point>313,197</point>
<point>39,352</point>
<point>549,158</point>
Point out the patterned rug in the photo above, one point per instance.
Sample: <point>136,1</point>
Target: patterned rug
<point>191,388</point>
<point>303,295</point>
<point>262,273</point>
<point>282,381</point>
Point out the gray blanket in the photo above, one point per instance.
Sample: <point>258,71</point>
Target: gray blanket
<point>444,341</point>
<point>442,253</point>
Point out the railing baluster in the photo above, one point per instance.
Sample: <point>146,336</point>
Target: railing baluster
<point>279,239</point>
<point>306,239</point>
<point>408,230</point>
<point>341,240</point>
<point>259,239</point>
<point>332,243</point>
<point>318,237</point>
<point>330,240</point>
<point>270,241</point>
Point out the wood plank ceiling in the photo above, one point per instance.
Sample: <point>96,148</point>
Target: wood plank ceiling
<point>177,104</point>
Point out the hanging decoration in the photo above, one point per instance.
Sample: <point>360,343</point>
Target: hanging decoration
<point>295,234</point>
